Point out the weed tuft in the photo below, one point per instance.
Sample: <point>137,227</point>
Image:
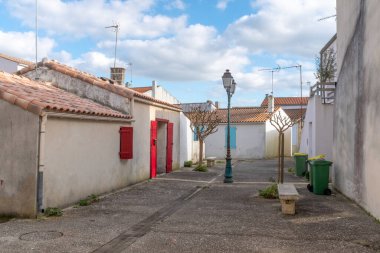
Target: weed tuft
<point>270,192</point>
<point>201,168</point>
<point>89,200</point>
<point>188,163</point>
<point>53,211</point>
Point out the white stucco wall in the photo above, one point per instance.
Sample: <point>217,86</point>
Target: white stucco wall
<point>272,138</point>
<point>19,133</point>
<point>8,66</point>
<point>356,139</point>
<point>250,142</point>
<point>317,133</point>
<point>82,158</point>
<point>186,140</point>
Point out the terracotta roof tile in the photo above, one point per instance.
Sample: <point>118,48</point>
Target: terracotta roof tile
<point>295,114</point>
<point>88,78</point>
<point>244,114</point>
<point>38,97</point>
<point>17,60</point>
<point>278,101</point>
<point>141,89</point>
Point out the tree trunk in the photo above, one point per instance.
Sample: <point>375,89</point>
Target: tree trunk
<point>279,159</point>
<point>200,159</point>
<point>282,156</point>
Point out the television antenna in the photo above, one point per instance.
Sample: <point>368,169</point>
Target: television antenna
<point>277,69</point>
<point>321,19</point>
<point>116,28</point>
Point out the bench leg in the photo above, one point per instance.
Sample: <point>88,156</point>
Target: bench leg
<point>288,206</point>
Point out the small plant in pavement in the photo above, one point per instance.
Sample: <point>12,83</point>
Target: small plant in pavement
<point>270,192</point>
<point>188,163</point>
<point>53,211</point>
<point>89,200</point>
<point>201,168</point>
<point>291,170</point>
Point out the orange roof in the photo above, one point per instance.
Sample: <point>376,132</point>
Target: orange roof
<point>278,101</point>
<point>244,114</point>
<point>17,60</point>
<point>295,114</point>
<point>93,80</point>
<point>39,97</point>
<point>141,89</point>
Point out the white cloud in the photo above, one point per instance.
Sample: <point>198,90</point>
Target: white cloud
<point>176,4</point>
<point>195,53</point>
<point>281,27</point>
<point>22,45</point>
<point>88,17</point>
<point>222,4</point>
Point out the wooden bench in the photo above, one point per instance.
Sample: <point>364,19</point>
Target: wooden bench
<point>211,161</point>
<point>288,195</point>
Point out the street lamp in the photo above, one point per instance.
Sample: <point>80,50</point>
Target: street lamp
<point>229,84</point>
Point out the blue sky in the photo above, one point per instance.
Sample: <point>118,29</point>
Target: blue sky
<point>184,45</point>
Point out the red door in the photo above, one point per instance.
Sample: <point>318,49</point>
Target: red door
<point>153,149</point>
<point>169,148</point>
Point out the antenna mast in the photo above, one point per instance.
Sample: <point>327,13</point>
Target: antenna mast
<point>36,38</point>
<point>116,28</point>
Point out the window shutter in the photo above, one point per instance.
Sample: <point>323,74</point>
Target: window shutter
<point>232,137</point>
<point>126,143</point>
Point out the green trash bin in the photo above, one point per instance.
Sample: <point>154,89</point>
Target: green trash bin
<point>320,177</point>
<point>300,159</point>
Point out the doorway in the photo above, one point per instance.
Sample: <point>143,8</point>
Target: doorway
<point>161,149</point>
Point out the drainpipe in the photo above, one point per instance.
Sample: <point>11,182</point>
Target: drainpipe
<point>41,163</point>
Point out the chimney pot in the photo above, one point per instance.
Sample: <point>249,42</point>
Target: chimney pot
<point>118,75</point>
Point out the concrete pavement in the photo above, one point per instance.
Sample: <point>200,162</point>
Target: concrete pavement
<point>188,211</point>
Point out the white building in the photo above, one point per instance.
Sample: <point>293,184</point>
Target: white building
<point>251,136</point>
<point>356,146</point>
<point>57,148</point>
<point>317,133</point>
<point>295,108</point>
<point>12,64</point>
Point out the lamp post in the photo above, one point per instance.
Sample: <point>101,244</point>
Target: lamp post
<point>229,84</point>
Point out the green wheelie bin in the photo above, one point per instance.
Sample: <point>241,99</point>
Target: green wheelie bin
<point>300,159</point>
<point>320,177</point>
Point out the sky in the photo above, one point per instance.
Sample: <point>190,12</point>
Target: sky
<point>185,45</point>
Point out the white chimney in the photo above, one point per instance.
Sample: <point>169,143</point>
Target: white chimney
<point>270,103</point>
<point>154,89</point>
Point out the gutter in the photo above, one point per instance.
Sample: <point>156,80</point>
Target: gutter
<point>144,101</point>
<point>86,117</point>
<point>41,162</point>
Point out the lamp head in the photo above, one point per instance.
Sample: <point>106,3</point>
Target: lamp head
<point>227,79</point>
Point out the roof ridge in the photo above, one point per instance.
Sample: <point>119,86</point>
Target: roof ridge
<point>15,59</point>
<point>118,89</point>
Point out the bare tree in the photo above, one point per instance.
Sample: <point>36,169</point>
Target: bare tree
<point>326,66</point>
<point>202,123</point>
<point>281,122</point>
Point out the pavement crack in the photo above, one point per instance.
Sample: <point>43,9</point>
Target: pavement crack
<point>128,237</point>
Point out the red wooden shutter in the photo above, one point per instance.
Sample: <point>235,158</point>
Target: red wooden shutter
<point>153,149</point>
<point>126,143</point>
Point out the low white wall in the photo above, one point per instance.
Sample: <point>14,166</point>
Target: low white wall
<point>250,142</point>
<point>82,158</point>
